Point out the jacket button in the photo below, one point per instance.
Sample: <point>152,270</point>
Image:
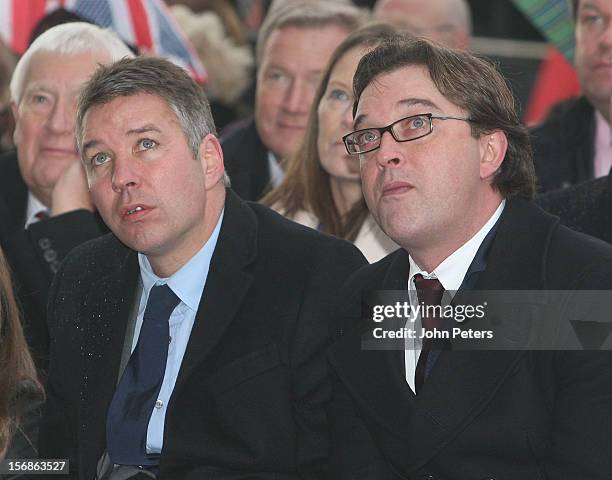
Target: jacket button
<point>50,255</point>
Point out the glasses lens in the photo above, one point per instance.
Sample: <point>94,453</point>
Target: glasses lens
<point>412,127</point>
<point>363,141</point>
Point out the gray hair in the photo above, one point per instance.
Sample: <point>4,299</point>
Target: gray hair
<point>154,76</point>
<point>308,14</point>
<point>68,39</point>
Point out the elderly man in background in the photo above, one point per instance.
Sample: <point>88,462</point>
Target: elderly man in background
<point>446,21</point>
<point>574,143</point>
<point>294,44</point>
<point>45,209</point>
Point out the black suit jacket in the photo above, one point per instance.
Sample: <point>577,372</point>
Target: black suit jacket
<point>564,145</point>
<point>35,254</point>
<point>250,397</point>
<point>586,207</point>
<point>246,159</point>
<point>481,414</point>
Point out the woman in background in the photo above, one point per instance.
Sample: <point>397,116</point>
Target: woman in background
<point>20,392</point>
<point>322,185</point>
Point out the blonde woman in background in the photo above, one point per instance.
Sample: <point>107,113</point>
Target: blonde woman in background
<point>20,393</point>
<point>322,187</point>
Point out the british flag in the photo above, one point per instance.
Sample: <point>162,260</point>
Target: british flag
<point>148,24</point>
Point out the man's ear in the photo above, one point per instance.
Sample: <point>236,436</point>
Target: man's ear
<point>211,156</point>
<point>493,148</point>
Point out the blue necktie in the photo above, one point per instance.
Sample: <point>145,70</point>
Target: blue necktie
<point>128,416</point>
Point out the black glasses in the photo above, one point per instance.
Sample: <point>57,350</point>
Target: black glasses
<point>403,130</point>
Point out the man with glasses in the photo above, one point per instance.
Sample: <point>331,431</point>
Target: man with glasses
<point>447,173</point>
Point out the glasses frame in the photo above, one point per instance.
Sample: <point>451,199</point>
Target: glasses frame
<point>389,128</point>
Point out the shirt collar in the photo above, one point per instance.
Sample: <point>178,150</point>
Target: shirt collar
<point>276,171</point>
<point>453,269</point>
<point>603,145</point>
<point>187,282</point>
<point>34,206</point>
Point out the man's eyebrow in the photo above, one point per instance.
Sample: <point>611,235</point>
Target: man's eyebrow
<point>589,6</point>
<point>407,102</point>
<point>143,129</point>
<point>358,120</point>
<point>133,131</point>
<point>90,144</point>
<point>38,85</point>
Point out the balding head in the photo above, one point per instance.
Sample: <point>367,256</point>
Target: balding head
<point>446,21</point>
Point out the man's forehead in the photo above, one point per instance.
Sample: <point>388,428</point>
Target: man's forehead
<point>417,11</point>
<point>409,81</point>
<point>131,113</point>
<point>62,66</point>
<point>289,37</point>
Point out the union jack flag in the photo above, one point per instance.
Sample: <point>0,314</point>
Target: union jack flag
<point>148,24</point>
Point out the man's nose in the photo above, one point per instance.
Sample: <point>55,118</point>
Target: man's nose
<point>387,153</point>
<point>62,118</point>
<point>124,174</point>
<point>298,97</point>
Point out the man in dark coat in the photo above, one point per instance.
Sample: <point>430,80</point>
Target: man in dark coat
<point>231,381</point>
<point>586,207</point>
<point>574,142</point>
<point>450,178</point>
<point>45,209</point>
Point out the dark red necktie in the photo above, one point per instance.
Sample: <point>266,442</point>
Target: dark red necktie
<point>429,293</point>
<point>42,215</point>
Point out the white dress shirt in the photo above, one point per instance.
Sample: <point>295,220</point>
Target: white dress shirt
<point>276,171</point>
<point>450,273</point>
<point>34,207</point>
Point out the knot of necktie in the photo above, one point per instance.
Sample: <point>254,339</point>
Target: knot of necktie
<point>429,292</point>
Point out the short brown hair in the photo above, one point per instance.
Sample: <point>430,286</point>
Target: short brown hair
<point>471,83</point>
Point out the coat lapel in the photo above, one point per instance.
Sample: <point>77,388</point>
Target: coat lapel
<point>376,378</point>
<point>226,285</point>
<point>461,383</point>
